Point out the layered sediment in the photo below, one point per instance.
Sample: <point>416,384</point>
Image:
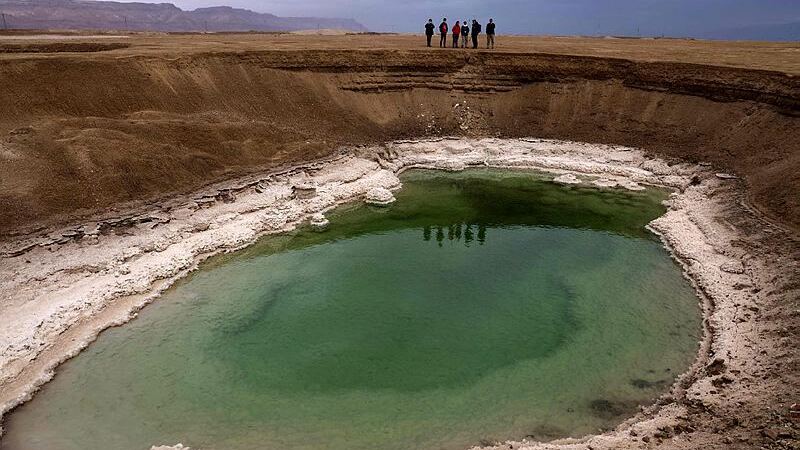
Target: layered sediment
<point>63,293</point>
<point>82,133</point>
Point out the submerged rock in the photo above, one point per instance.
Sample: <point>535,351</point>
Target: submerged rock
<point>605,183</point>
<point>567,178</point>
<point>631,185</point>
<point>319,222</point>
<point>379,197</point>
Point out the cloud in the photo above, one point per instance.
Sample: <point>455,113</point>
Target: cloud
<point>649,17</point>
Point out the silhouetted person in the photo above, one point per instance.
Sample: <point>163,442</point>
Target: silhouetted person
<point>456,34</point>
<point>490,28</point>
<point>476,31</point>
<point>464,35</point>
<point>443,29</point>
<point>481,234</point>
<point>429,27</point>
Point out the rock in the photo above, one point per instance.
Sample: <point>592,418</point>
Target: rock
<point>605,183</point>
<point>202,226</point>
<point>379,197</point>
<point>169,447</point>
<point>319,222</point>
<point>726,176</point>
<point>205,202</point>
<point>722,381</point>
<point>567,178</point>
<point>631,185</point>
<point>664,432</point>
<point>733,267</point>
<point>716,367</point>
<point>304,191</point>
<point>656,167</point>
<point>776,434</point>
<point>226,196</point>
<point>450,166</point>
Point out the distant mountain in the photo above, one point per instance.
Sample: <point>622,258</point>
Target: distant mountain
<point>773,32</point>
<point>108,15</point>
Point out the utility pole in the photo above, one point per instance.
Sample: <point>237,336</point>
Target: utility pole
<point>125,18</point>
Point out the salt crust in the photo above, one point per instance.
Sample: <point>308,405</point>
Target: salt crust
<point>63,287</point>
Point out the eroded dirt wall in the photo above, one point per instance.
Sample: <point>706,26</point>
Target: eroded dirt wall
<point>78,135</point>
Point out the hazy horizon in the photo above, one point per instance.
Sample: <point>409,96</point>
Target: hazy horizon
<point>697,18</point>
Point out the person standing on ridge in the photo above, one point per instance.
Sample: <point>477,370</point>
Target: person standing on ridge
<point>443,29</point>
<point>476,31</point>
<point>464,34</point>
<point>429,27</point>
<point>456,33</point>
<point>490,34</point>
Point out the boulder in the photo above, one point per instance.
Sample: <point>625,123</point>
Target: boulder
<point>379,197</point>
<point>304,191</point>
<point>319,222</point>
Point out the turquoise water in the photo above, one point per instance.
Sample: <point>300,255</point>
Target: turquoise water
<point>484,305</point>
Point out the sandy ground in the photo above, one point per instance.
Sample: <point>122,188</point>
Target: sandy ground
<point>783,57</point>
<point>64,289</point>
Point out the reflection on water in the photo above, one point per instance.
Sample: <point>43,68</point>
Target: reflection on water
<point>455,232</point>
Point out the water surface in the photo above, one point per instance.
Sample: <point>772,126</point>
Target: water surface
<point>484,305</point>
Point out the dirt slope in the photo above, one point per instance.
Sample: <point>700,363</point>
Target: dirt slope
<point>81,133</point>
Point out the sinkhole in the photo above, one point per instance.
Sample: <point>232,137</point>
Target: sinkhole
<point>482,306</point>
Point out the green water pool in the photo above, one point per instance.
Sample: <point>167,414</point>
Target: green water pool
<point>484,305</point>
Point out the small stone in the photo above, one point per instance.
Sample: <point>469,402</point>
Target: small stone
<point>203,226</point>
<point>726,176</point>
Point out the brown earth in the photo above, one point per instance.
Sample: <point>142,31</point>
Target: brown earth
<point>80,132</point>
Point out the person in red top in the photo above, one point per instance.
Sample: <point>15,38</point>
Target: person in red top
<point>456,33</point>
<point>443,29</point>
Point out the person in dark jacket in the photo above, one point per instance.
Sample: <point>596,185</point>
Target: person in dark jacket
<point>490,29</point>
<point>443,29</point>
<point>464,35</point>
<point>476,31</point>
<point>456,34</point>
<point>429,27</point>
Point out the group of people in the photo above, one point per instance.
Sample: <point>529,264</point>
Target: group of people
<point>461,33</point>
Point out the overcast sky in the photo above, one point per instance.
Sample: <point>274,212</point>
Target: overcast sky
<point>623,17</point>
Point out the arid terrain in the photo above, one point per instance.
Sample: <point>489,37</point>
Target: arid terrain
<point>102,128</point>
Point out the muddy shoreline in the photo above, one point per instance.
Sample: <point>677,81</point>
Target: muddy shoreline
<point>71,284</point>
